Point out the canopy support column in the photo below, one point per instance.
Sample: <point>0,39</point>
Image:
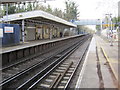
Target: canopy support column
<point>23,31</point>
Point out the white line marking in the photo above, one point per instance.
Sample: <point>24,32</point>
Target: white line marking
<point>83,69</point>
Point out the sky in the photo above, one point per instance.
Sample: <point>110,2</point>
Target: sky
<point>89,9</point>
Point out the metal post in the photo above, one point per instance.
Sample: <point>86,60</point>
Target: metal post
<point>101,25</point>
<point>50,33</point>
<point>111,30</point>
<point>23,31</point>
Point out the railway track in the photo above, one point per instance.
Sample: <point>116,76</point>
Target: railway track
<point>59,76</point>
<point>9,83</point>
<point>13,69</point>
<point>7,72</point>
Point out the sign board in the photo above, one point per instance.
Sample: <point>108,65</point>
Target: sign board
<point>1,32</point>
<point>8,30</point>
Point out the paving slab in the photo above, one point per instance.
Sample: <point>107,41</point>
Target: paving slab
<point>89,76</point>
<point>111,52</point>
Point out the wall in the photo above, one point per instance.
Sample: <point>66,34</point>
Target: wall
<point>30,34</point>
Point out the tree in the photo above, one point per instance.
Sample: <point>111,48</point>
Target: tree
<point>41,7</point>
<point>49,9</point>
<point>29,7</point>
<point>71,10</point>
<point>11,8</point>
<point>70,14</point>
<point>58,13</point>
<point>115,20</point>
<point>98,27</point>
<point>1,12</point>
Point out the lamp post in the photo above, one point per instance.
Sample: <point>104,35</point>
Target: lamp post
<point>101,24</point>
<point>100,21</point>
<point>111,32</point>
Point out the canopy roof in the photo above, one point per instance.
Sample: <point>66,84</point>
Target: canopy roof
<point>37,14</point>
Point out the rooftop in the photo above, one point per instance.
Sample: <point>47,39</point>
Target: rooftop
<point>36,14</point>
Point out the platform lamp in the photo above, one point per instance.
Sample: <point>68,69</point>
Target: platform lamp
<point>111,34</point>
<point>100,20</point>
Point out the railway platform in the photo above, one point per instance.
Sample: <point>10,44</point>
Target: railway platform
<point>30,44</point>
<point>17,53</point>
<point>100,68</point>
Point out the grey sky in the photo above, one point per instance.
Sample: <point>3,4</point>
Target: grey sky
<point>90,9</point>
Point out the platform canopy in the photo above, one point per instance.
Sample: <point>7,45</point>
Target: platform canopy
<point>13,1</point>
<point>37,15</point>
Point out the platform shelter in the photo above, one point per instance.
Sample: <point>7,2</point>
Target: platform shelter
<point>35,25</point>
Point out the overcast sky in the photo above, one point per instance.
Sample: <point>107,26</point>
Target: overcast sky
<point>90,9</point>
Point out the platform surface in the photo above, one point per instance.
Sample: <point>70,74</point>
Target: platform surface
<point>89,76</point>
<point>31,43</point>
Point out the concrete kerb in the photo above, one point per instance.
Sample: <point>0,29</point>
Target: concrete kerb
<point>82,70</point>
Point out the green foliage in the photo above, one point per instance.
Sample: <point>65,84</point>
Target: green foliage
<point>71,10</point>
<point>84,29</point>
<point>49,9</point>
<point>97,27</point>
<point>1,12</point>
<point>70,13</point>
<point>41,7</point>
<point>11,8</point>
<point>58,13</point>
<point>29,7</point>
<point>116,20</point>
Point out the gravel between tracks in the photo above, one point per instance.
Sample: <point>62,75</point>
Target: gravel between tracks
<point>76,55</point>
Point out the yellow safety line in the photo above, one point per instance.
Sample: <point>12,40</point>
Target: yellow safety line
<point>109,63</point>
<point>108,60</point>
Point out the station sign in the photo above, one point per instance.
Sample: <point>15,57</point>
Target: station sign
<point>8,30</point>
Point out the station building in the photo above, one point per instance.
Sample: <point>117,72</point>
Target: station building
<point>36,25</point>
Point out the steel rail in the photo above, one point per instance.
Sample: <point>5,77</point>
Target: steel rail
<point>62,75</point>
<point>20,74</point>
<point>80,60</point>
<point>23,70</point>
<point>9,80</point>
<point>26,84</point>
<point>27,59</point>
<point>43,72</point>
